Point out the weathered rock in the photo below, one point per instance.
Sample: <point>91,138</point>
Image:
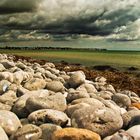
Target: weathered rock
<point>2,68</point>
<point>5,107</point>
<point>134,132</point>
<point>48,116</point>
<point>7,76</point>
<point>21,65</point>
<point>77,95</point>
<point>51,101</point>
<point>100,79</point>
<point>107,95</point>
<point>3,135</point>
<point>103,121</point>
<point>8,98</point>
<point>121,100</point>
<point>127,117</point>
<point>4,84</point>
<point>48,130</point>
<point>91,101</point>
<point>19,107</point>
<point>9,122</point>
<point>71,108</point>
<point>76,79</point>
<point>7,64</point>
<point>35,84</point>
<point>134,121</point>
<point>55,86</point>
<point>27,132</point>
<point>75,134</point>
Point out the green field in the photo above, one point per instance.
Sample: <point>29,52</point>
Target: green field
<point>88,58</point>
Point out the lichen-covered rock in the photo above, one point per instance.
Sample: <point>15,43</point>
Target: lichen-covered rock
<point>55,101</point>
<point>75,134</point>
<point>7,64</point>
<point>48,116</point>
<point>27,132</point>
<point>103,121</point>
<point>2,68</point>
<point>9,122</point>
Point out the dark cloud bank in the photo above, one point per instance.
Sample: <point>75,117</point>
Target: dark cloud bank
<point>42,19</point>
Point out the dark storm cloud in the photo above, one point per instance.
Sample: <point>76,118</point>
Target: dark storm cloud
<point>12,6</point>
<point>117,19</point>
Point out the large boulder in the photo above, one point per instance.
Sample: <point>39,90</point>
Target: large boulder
<point>103,121</point>
<point>75,134</point>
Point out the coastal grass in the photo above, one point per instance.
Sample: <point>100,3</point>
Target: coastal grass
<point>87,58</point>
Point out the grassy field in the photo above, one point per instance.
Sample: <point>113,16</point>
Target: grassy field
<point>113,58</point>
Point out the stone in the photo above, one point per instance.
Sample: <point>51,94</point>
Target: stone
<point>51,101</point>
<point>71,108</point>
<point>91,101</point>
<point>137,105</point>
<point>100,79</point>
<point>77,95</point>
<point>48,129</point>
<point>21,65</point>
<point>76,79</point>
<point>19,108</point>
<point>4,84</point>
<point>134,121</point>
<point>127,117</point>
<point>3,135</point>
<point>103,121</point>
<point>27,132</point>
<point>55,86</point>
<point>8,98</point>
<point>35,84</point>
<point>2,68</point>
<point>9,122</point>
<point>5,107</point>
<point>134,132</point>
<point>121,100</point>
<point>48,116</point>
<point>7,64</point>
<point>75,134</point>
<point>7,76</point>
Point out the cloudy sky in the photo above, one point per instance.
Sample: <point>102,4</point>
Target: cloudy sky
<point>47,19</point>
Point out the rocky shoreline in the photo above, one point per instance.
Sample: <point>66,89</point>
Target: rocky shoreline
<point>43,101</point>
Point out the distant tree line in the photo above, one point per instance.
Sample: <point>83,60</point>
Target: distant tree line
<point>50,48</point>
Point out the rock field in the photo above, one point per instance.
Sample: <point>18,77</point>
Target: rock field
<point>40,102</point>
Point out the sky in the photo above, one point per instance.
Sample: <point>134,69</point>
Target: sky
<point>115,20</point>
